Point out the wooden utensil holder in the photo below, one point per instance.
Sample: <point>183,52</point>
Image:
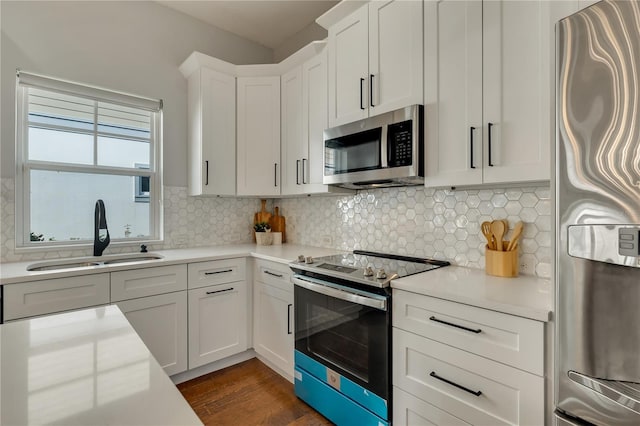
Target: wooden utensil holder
<point>501,263</point>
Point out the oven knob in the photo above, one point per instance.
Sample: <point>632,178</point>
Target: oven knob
<point>381,274</point>
<point>368,272</point>
<point>301,258</point>
<point>308,259</point>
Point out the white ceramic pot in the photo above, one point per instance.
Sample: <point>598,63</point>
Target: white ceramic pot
<point>264,238</point>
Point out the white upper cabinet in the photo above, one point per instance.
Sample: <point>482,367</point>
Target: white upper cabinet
<point>293,145</point>
<point>258,141</point>
<point>315,120</point>
<point>453,92</point>
<point>375,60</point>
<point>395,55</point>
<point>349,68</point>
<point>211,109</point>
<point>488,91</point>
<point>304,119</point>
<point>516,101</point>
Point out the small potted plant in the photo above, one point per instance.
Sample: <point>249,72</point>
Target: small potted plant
<point>263,234</point>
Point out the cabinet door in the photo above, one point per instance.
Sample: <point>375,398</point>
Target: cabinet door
<point>273,326</point>
<point>517,99</point>
<point>293,143</point>
<point>348,68</point>
<point>314,120</point>
<point>218,138</point>
<point>395,55</point>
<point>217,322</point>
<point>258,136</point>
<point>161,323</point>
<point>453,92</point>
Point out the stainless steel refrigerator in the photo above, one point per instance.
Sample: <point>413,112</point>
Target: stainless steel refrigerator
<point>597,338</point>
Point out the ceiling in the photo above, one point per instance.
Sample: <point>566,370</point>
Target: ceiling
<point>267,22</point>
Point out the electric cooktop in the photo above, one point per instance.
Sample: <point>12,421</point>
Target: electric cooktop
<point>366,267</point>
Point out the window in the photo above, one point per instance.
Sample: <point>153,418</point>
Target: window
<point>77,144</point>
<point>141,193</point>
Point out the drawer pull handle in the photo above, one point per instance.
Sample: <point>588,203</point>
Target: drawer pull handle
<point>435,376</point>
<point>476,330</point>
<point>219,272</point>
<point>273,275</point>
<point>220,291</point>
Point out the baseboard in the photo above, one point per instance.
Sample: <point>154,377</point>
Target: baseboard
<point>215,366</point>
<point>274,368</point>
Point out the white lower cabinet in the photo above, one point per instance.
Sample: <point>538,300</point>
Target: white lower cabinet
<point>409,410</point>
<point>217,322</point>
<point>154,300</point>
<point>457,364</point>
<point>143,282</point>
<point>43,297</point>
<point>161,323</point>
<point>273,337</point>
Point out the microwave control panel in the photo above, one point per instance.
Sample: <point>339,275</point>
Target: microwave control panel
<point>399,144</point>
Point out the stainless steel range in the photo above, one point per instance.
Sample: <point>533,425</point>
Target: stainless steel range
<point>343,332</point>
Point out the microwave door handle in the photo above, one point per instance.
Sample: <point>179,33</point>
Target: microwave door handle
<point>384,147</point>
<point>341,294</point>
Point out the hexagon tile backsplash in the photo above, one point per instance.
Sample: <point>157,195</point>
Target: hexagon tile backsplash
<point>425,222</point>
<point>416,221</point>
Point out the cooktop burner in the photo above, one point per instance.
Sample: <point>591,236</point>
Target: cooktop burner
<point>368,268</point>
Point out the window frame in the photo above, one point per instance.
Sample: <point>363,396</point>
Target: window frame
<point>24,166</point>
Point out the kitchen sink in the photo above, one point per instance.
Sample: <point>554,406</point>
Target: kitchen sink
<point>57,266</point>
<point>133,259</point>
<point>90,262</point>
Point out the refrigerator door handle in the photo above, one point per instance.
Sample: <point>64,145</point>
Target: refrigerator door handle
<point>611,389</point>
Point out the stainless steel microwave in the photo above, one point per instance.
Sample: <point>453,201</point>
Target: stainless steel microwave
<point>381,151</point>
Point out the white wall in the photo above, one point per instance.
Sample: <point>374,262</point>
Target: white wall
<point>131,46</point>
<point>303,37</point>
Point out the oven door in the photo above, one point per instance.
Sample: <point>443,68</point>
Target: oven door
<point>346,330</point>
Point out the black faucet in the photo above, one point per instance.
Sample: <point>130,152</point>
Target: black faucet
<point>101,233</point>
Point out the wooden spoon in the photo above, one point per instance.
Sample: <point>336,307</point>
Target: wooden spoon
<point>486,231</point>
<point>498,230</point>
<point>517,232</point>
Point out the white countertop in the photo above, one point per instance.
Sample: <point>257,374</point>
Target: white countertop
<point>16,272</point>
<point>86,367</point>
<point>524,296</point>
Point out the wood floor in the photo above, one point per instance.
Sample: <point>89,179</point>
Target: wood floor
<point>248,394</point>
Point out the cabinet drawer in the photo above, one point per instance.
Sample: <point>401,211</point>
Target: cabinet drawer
<point>214,272</point>
<point>505,338</point>
<point>55,295</point>
<point>411,411</point>
<point>275,274</point>
<point>147,282</point>
<point>437,374</point>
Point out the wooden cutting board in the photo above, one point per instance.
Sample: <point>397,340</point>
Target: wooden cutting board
<point>262,216</point>
<point>278,224</point>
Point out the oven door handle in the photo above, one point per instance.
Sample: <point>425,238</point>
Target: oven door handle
<point>341,294</point>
